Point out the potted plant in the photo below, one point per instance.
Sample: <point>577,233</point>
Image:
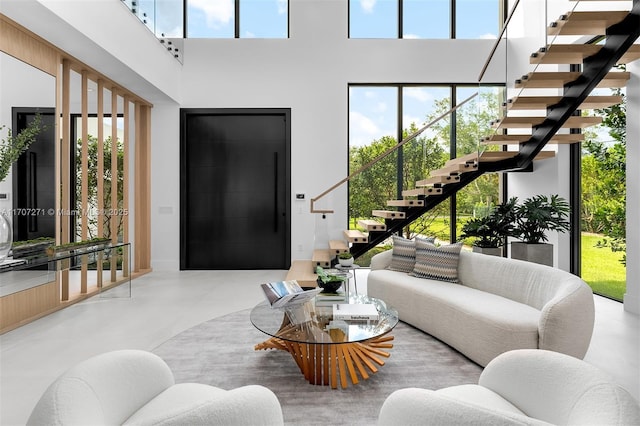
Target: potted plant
<point>345,259</point>
<point>492,229</point>
<point>534,217</point>
<point>329,283</point>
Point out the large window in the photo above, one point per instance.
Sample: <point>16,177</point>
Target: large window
<point>382,115</point>
<point>237,18</point>
<point>424,19</point>
<point>603,202</point>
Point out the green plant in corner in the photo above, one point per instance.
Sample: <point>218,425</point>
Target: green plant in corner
<point>13,146</point>
<point>538,214</point>
<point>491,230</point>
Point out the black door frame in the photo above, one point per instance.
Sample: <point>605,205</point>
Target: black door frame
<point>186,112</point>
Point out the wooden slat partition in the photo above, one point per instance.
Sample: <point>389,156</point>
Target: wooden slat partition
<point>35,51</point>
<point>65,172</point>
<point>125,181</point>
<point>27,47</point>
<point>142,252</point>
<point>114,178</point>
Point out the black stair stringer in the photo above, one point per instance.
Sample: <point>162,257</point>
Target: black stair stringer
<point>412,213</point>
<point>619,39</point>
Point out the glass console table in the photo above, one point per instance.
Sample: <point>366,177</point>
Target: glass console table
<point>37,285</point>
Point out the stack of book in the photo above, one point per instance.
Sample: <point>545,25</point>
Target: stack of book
<point>328,299</point>
<point>355,312</point>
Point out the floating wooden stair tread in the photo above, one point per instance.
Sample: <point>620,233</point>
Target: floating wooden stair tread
<point>465,159</point>
<point>388,214</point>
<point>442,180</point>
<point>585,23</point>
<point>425,190</point>
<point>499,139</point>
<point>455,169</point>
<point>576,53</point>
<point>321,257</point>
<point>492,156</point>
<point>355,236</point>
<point>574,122</point>
<point>405,203</point>
<point>557,80</point>
<point>338,246</point>
<point>372,225</point>
<point>303,271</point>
<point>543,102</point>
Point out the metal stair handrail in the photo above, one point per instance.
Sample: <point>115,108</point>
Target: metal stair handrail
<point>497,43</point>
<point>385,154</point>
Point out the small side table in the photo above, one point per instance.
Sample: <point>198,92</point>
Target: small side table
<point>350,268</point>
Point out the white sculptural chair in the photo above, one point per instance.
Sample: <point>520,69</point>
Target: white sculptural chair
<point>523,387</point>
<point>137,387</point>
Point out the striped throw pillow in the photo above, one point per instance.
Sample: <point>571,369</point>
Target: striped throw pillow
<point>403,256</point>
<point>438,263</point>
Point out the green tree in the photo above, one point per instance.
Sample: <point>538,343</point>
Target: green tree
<point>604,179</point>
<point>92,186</point>
<point>429,151</point>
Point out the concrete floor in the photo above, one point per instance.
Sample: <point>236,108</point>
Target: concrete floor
<point>166,303</point>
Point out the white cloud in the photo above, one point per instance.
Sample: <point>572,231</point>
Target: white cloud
<point>368,5</point>
<point>218,13</point>
<point>249,34</point>
<point>418,94</point>
<point>408,119</point>
<point>488,36</point>
<point>362,130</point>
<point>370,94</point>
<point>380,107</point>
<point>282,6</point>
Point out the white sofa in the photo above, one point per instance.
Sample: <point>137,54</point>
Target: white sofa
<point>522,387</point>
<point>135,387</point>
<point>498,305</point>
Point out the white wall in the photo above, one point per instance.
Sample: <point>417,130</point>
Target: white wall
<point>632,296</point>
<point>310,73</point>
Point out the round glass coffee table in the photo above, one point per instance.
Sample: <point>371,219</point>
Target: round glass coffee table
<point>327,351</point>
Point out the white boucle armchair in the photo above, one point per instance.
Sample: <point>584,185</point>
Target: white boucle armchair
<point>136,387</point>
<point>520,387</point>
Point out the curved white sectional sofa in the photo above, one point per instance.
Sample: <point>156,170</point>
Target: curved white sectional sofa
<point>499,305</point>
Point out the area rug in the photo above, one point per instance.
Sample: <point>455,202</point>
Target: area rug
<point>220,352</point>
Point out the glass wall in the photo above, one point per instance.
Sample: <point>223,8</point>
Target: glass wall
<point>382,115</point>
<point>603,206</point>
<point>237,19</point>
<point>420,19</point>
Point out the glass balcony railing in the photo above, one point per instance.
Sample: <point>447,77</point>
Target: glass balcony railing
<point>165,19</point>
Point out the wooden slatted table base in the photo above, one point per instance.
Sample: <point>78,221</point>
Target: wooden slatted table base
<point>333,364</point>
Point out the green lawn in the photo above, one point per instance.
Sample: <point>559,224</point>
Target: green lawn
<point>601,268</point>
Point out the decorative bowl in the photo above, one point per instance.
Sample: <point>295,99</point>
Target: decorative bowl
<point>329,287</point>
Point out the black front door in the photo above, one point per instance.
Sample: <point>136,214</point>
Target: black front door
<point>34,192</point>
<point>235,189</point>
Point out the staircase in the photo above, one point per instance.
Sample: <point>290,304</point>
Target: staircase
<point>549,115</point>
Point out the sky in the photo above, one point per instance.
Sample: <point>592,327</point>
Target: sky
<point>372,110</point>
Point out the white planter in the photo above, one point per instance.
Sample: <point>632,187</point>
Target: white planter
<point>346,262</point>
<point>491,251</point>
<point>537,253</point>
